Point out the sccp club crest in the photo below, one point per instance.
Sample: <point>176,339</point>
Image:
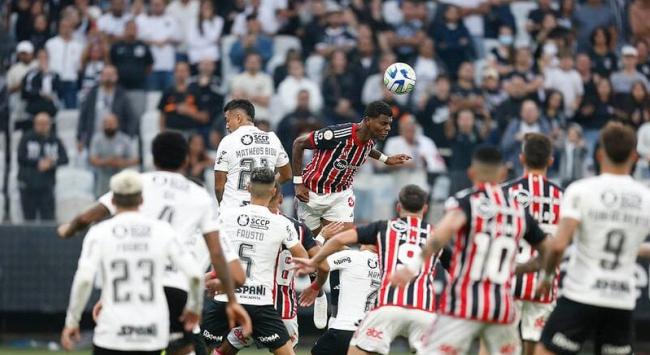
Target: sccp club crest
<point>246,139</point>
<point>243,220</point>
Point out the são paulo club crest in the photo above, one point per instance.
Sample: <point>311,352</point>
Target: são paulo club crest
<point>522,197</point>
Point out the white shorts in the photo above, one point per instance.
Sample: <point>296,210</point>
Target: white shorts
<point>533,317</point>
<point>237,339</point>
<point>334,207</point>
<point>450,335</point>
<point>382,325</point>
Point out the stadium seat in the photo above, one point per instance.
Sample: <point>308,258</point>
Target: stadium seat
<point>66,121</point>
<point>520,10</point>
<point>314,66</point>
<point>15,206</point>
<point>153,97</point>
<point>227,69</point>
<point>281,45</point>
<point>73,181</point>
<point>68,207</point>
<point>391,12</point>
<point>147,159</point>
<point>150,123</point>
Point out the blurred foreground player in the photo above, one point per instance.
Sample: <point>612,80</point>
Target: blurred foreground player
<point>542,198</point>
<point>608,215</point>
<point>405,310</point>
<point>171,197</point>
<point>132,251</point>
<point>485,227</point>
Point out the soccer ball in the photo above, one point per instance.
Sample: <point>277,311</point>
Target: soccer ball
<point>399,78</point>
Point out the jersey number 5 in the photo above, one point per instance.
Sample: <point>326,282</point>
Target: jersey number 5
<point>245,251</point>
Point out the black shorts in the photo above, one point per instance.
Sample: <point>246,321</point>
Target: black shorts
<point>572,323</point>
<point>333,341</point>
<point>334,288</point>
<point>103,351</point>
<point>268,329</point>
<point>176,300</point>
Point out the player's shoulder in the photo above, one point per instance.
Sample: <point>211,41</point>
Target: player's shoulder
<point>336,131</point>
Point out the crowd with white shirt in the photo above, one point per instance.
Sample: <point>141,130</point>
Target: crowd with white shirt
<point>509,66</point>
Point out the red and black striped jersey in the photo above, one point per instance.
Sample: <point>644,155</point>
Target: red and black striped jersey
<point>483,257</point>
<point>542,198</point>
<point>285,291</point>
<point>338,153</point>
<point>398,241</point>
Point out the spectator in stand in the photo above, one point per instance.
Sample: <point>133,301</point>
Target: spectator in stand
<point>511,107</point>
<point>590,15</point>
<point>437,112</point>
<point>553,111</point>
<point>536,17</point>
<point>595,111</point>
<point>643,149</point>
<point>110,152</point>
<point>644,58</point>
<point>40,152</point>
<point>185,12</point>
<point>341,91</point>
<point>502,56</point>
<point>566,80</point>
<point>206,85</point>
<point>315,28</point>
<point>635,107</point>
<point>408,34</point>
<point>80,21</point>
<point>254,85</point>
<point>294,83</point>
<point>275,16</point>
<point>364,59</point>
<point>573,154</point>
<point>65,60</point>
<point>25,62</point>
<point>524,68</point>
<point>253,40</point>
<point>93,60</point>
<point>452,39</point>
<point>492,92</point>
<point>301,120</point>
<point>337,35</point>
<point>583,66</point>
<point>198,159</point>
<point>133,60</point>
<point>426,69</point>
<point>622,80</point>
<point>40,87</point>
<point>473,13</point>
<point>21,9</point>
<point>464,92</point>
<point>426,161</point>
<point>639,13</point>
<point>603,59</point>
<point>106,97</point>
<point>41,32</point>
<point>179,106</point>
<point>464,137</point>
<point>161,32</point>
<point>113,22</point>
<point>374,84</point>
<point>530,122</point>
<point>203,35</point>
<point>282,71</point>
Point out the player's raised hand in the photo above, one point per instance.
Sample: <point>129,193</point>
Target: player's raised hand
<point>401,277</point>
<point>303,266</point>
<point>397,159</point>
<point>63,231</point>
<point>332,229</point>
<point>238,315</point>
<point>302,192</point>
<point>69,337</point>
<point>97,308</point>
<point>190,320</point>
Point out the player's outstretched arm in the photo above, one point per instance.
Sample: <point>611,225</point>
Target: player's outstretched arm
<point>220,178</point>
<point>555,250</point>
<point>306,266</point>
<point>310,294</point>
<point>299,145</point>
<point>284,174</point>
<point>94,214</point>
<point>396,159</point>
<point>644,250</point>
<point>451,223</point>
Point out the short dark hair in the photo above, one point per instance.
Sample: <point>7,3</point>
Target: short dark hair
<point>127,201</point>
<point>262,175</point>
<point>412,198</point>
<point>169,150</point>
<point>241,104</point>
<point>252,52</point>
<point>377,108</point>
<point>618,141</point>
<point>488,155</point>
<point>537,150</point>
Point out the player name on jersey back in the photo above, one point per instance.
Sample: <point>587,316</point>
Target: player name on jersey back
<point>614,221</point>
<point>242,151</point>
<point>257,235</point>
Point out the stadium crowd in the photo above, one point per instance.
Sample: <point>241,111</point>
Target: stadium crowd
<point>108,75</point>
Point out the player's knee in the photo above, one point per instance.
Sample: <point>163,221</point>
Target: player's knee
<point>540,349</point>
